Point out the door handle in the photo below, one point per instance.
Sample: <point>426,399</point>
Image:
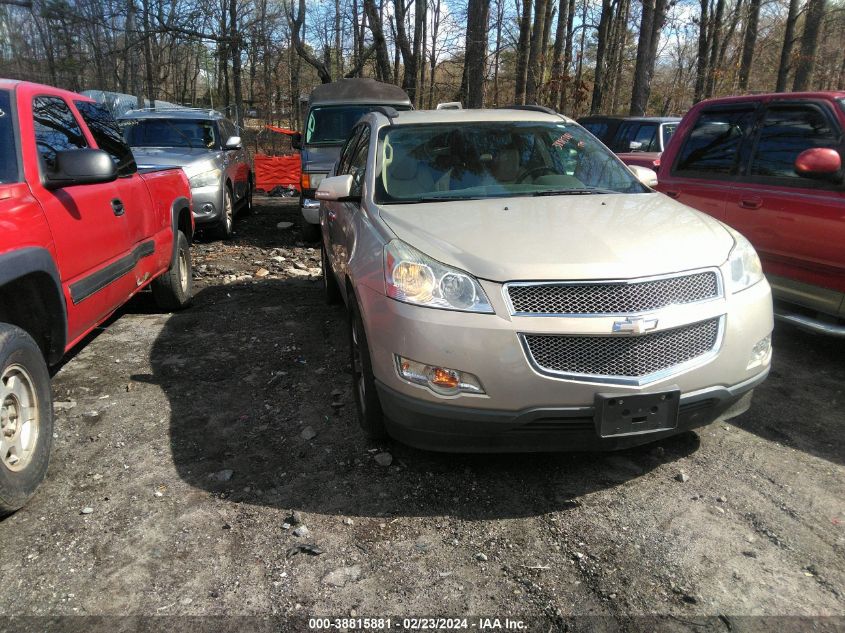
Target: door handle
<point>117,206</point>
<point>331,215</point>
<point>751,203</point>
<point>672,194</point>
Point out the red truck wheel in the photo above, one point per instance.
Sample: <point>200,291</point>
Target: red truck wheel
<point>172,291</point>
<point>26,418</point>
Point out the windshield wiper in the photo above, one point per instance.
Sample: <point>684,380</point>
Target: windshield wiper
<point>571,192</point>
<point>436,199</point>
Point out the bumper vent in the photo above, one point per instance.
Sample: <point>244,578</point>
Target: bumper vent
<point>612,297</point>
<point>625,357</point>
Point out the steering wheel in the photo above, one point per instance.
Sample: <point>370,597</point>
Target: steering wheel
<point>542,169</point>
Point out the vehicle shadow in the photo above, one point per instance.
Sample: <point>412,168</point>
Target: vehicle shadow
<point>251,366</point>
<point>802,403</point>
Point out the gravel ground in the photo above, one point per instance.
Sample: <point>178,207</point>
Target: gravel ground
<point>209,463</point>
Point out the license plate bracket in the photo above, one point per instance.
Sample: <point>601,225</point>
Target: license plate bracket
<point>626,414</point>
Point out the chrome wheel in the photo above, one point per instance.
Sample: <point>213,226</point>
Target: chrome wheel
<point>184,273</point>
<point>228,211</point>
<point>19,422</point>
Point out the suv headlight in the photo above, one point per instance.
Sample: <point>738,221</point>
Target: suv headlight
<point>206,179</point>
<point>413,277</point>
<point>745,267</point>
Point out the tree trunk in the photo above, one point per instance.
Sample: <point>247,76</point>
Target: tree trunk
<point>544,49</point>
<point>383,72</point>
<point>701,57</point>
<point>567,55</point>
<point>237,85</point>
<point>522,52</point>
<point>652,24</point>
<point>409,58</point>
<point>788,42</point>
<point>748,44</point>
<point>715,41</point>
<point>435,31</point>
<point>471,93</point>
<point>533,80</point>
<point>809,44</point>
<point>604,31</point>
<point>557,54</point>
<point>500,17</point>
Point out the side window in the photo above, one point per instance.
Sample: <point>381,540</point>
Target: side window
<point>596,128</point>
<point>624,136</point>
<point>785,133</point>
<point>56,129</point>
<point>346,152</point>
<point>358,162</point>
<point>108,136</point>
<point>646,136</point>
<point>714,144</point>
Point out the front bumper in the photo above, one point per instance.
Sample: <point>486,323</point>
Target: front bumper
<point>523,409</point>
<point>441,427</point>
<point>310,207</point>
<point>208,204</point>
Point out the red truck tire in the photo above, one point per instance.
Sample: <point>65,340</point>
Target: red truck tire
<point>26,418</point>
<point>172,291</point>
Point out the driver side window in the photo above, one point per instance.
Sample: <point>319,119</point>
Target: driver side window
<point>358,162</point>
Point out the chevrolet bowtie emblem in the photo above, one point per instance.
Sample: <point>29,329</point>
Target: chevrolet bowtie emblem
<point>635,326</point>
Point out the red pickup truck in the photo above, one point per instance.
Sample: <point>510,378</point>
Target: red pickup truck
<point>81,231</point>
<point>771,166</point>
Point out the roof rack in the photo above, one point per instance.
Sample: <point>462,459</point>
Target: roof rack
<point>177,108</point>
<point>387,111</point>
<point>532,107</point>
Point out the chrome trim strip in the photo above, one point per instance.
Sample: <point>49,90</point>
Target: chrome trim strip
<point>720,290</point>
<point>636,381</point>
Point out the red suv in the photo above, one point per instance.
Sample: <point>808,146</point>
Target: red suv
<point>771,167</point>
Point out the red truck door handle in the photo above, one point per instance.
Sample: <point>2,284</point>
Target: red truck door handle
<point>672,194</point>
<point>117,206</point>
<point>751,203</point>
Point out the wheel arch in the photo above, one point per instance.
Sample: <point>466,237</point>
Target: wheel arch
<point>181,219</point>
<point>31,298</point>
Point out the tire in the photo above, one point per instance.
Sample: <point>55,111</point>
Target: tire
<point>246,205</point>
<point>330,287</point>
<point>310,232</point>
<point>226,224</point>
<point>370,415</point>
<point>173,290</point>
<point>24,445</point>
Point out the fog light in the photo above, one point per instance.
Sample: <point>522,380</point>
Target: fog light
<point>761,353</point>
<point>442,380</point>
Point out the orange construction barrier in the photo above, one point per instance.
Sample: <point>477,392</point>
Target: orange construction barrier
<point>277,171</point>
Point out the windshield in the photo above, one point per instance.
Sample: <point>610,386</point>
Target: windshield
<point>331,125</point>
<point>667,130</point>
<point>487,160</point>
<point>8,149</point>
<point>170,133</point>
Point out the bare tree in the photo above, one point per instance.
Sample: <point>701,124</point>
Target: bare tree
<point>809,44</point>
<point>788,42</point>
<point>522,50</point>
<point>471,92</point>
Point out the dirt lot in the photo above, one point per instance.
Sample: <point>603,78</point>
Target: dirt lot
<point>184,444</point>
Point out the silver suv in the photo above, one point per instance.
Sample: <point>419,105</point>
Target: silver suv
<point>512,285</point>
<point>208,147</point>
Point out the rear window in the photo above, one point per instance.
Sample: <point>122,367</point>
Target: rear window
<point>106,132</point>
<point>161,132</point>
<point>332,125</point>
<point>714,144</point>
<point>9,169</point>
<point>667,132</point>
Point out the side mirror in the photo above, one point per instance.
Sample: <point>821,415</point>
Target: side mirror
<point>80,167</point>
<point>818,162</point>
<point>233,142</point>
<point>635,146</point>
<point>296,140</point>
<point>335,188</point>
<point>645,175</point>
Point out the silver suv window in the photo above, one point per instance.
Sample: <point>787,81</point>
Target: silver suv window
<point>494,159</point>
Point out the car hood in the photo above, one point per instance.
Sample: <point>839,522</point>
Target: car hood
<point>193,161</point>
<point>319,158</point>
<point>563,237</point>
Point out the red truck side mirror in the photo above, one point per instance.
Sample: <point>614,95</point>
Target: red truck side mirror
<point>80,167</point>
<point>818,162</point>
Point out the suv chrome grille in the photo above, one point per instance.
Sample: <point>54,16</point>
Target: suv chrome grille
<point>612,297</point>
<point>622,356</point>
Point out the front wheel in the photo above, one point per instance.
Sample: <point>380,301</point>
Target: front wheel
<point>26,418</point>
<point>370,415</point>
<point>172,291</point>
<point>226,225</point>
